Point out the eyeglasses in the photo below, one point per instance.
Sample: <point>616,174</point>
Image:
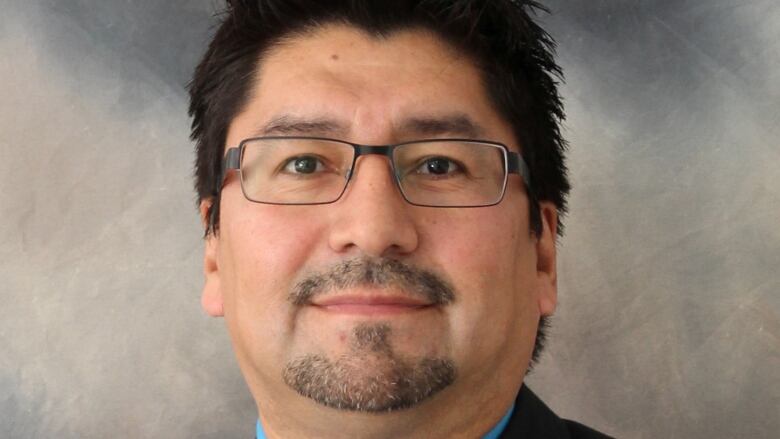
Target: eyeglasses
<point>433,173</point>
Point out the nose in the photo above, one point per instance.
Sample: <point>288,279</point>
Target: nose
<point>371,217</point>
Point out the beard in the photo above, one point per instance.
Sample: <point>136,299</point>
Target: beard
<point>371,377</point>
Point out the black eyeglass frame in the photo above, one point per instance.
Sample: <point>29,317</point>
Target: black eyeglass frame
<point>513,164</point>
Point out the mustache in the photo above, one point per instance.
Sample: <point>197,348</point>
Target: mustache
<point>376,272</point>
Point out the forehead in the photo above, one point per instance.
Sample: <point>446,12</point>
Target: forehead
<point>409,47</point>
<point>366,82</point>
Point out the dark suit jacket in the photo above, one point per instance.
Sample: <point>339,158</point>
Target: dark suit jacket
<point>532,419</point>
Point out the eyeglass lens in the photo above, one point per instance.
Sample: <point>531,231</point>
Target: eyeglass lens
<point>431,173</point>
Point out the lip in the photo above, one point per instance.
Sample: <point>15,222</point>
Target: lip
<point>371,305</point>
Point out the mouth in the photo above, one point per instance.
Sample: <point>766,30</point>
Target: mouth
<point>371,305</point>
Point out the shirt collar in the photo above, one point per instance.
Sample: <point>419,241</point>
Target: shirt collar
<point>259,433</point>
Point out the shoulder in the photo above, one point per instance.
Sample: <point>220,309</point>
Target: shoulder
<point>533,419</point>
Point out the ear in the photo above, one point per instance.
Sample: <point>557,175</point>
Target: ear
<point>546,272</point>
<point>211,300</point>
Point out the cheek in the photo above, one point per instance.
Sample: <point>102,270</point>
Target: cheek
<point>263,249</point>
<point>482,249</point>
<point>491,263</point>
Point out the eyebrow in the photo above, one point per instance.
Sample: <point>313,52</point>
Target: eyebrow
<point>288,124</point>
<point>460,125</point>
<point>456,124</point>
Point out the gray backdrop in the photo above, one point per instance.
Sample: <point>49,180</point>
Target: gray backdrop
<point>669,318</point>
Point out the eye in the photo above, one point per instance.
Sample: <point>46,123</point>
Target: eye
<point>303,165</point>
<point>438,166</point>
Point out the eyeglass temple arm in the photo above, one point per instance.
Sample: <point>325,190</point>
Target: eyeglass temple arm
<point>516,165</point>
<point>232,160</point>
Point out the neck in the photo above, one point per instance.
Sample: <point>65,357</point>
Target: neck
<point>476,415</point>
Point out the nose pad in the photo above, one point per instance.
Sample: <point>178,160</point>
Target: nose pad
<point>392,173</point>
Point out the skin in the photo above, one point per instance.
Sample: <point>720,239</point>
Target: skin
<point>504,276</point>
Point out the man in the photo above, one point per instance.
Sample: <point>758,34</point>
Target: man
<point>381,185</point>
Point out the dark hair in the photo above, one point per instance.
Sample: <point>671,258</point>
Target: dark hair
<point>514,54</point>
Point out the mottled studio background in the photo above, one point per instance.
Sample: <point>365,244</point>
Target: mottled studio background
<point>669,318</point>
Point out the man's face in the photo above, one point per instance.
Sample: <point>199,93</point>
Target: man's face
<point>372,325</point>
